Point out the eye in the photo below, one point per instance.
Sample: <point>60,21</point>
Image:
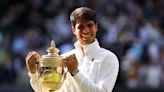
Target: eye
<point>90,25</point>
<point>80,27</point>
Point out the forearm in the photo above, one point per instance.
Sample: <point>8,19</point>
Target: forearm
<point>34,82</point>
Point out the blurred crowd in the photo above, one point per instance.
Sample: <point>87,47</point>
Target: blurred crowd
<point>133,29</point>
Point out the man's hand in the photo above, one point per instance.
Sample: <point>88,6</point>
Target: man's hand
<point>71,63</point>
<point>32,60</point>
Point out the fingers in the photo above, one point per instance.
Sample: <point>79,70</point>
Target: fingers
<point>33,56</point>
<point>31,60</point>
<point>70,59</point>
<point>29,55</point>
<point>74,56</point>
<point>71,63</point>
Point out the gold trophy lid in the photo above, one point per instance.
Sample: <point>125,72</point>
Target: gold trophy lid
<point>52,59</point>
<point>52,50</point>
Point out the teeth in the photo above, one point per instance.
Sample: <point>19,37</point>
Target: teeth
<point>84,38</point>
<point>84,35</point>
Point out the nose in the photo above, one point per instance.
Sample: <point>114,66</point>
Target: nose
<point>86,30</point>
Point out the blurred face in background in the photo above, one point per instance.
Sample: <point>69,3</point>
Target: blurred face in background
<point>85,31</point>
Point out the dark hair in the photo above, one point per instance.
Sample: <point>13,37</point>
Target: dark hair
<point>82,13</point>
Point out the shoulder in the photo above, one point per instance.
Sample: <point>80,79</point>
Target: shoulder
<point>106,53</point>
<point>110,61</point>
<point>109,56</point>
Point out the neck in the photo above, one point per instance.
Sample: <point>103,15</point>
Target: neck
<point>82,47</point>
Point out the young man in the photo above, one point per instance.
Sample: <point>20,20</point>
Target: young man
<point>91,68</point>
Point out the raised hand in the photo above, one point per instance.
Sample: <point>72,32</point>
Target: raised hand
<point>32,61</point>
<point>71,63</point>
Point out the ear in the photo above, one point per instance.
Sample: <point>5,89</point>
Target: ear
<point>96,27</point>
<point>73,30</point>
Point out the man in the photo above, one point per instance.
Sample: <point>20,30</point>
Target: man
<point>91,68</point>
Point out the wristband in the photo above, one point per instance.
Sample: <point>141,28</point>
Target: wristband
<point>74,72</point>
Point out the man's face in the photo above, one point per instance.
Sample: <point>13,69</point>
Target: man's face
<point>85,31</point>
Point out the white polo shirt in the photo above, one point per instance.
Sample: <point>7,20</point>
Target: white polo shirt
<point>98,70</point>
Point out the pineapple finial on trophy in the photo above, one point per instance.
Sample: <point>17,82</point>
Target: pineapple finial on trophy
<point>53,49</point>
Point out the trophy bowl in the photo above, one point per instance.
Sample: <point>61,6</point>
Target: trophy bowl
<point>51,69</point>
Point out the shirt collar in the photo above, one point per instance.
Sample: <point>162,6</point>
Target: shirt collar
<point>89,48</point>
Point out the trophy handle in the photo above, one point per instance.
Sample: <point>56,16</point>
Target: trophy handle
<point>64,76</point>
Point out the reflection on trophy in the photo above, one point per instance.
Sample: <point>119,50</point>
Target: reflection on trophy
<point>51,69</point>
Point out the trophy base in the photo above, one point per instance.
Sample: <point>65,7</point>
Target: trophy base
<point>52,87</point>
<point>51,90</point>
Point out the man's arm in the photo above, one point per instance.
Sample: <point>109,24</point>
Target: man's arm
<point>32,60</point>
<point>34,81</point>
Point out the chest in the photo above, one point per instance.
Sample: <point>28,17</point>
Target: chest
<point>90,66</point>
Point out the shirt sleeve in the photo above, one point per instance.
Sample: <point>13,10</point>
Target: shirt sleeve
<point>108,75</point>
<point>35,82</point>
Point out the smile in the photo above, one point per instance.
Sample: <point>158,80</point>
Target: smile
<point>85,35</point>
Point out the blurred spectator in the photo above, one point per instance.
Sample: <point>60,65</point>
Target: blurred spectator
<point>153,75</point>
